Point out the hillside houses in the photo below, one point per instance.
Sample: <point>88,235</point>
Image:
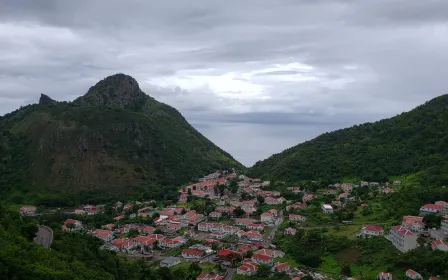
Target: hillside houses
<point>371,230</point>
<point>431,209</point>
<point>296,218</point>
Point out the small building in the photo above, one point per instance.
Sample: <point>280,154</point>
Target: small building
<point>327,208</point>
<point>431,209</point>
<point>105,235</point>
<point>396,183</point>
<point>262,259</point>
<point>218,235</point>
<point>296,218</point>
<point>384,276</point>
<point>290,231</point>
<point>169,262</point>
<point>267,217</point>
<point>209,276</point>
<point>371,230</point>
<point>411,274</point>
<point>248,267</point>
<point>282,267</point>
<point>439,245</point>
<point>192,254</point>
<point>215,215</point>
<point>28,210</point>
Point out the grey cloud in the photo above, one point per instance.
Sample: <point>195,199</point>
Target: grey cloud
<point>368,59</point>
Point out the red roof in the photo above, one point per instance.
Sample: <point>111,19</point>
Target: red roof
<point>209,276</point>
<point>70,221</point>
<point>282,266</point>
<point>386,274</point>
<point>262,257</point>
<point>193,252</point>
<point>373,228</point>
<point>156,236</point>
<point>225,252</point>
<point>433,206</point>
<point>103,233</point>
<point>402,230</point>
<point>411,272</point>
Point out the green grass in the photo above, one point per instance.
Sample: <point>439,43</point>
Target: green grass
<point>185,265</point>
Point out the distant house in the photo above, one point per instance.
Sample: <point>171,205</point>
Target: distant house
<point>413,223</point>
<point>371,230</point>
<point>444,225</point>
<point>384,276</point>
<point>145,241</point>
<point>259,227</point>
<point>209,276</point>
<point>248,267</point>
<point>271,253</point>
<point>170,243</point>
<point>402,238</point>
<point>218,235</point>
<point>413,274</point>
<point>262,259</point>
<point>439,245</point>
<point>290,231</point>
<point>431,209</point>
<point>297,218</point>
<point>28,210</point>
<point>105,235</point>
<point>215,215</point>
<point>327,208</point>
<point>169,262</point>
<point>267,217</point>
<point>282,267</point>
<point>254,235</point>
<point>72,225</point>
<point>396,183</point>
<point>124,245</point>
<point>192,254</point>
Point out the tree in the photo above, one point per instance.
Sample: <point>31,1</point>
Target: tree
<point>239,212</point>
<point>260,199</point>
<point>263,270</point>
<point>179,274</point>
<point>249,254</point>
<point>346,270</point>
<point>132,233</point>
<point>165,273</point>
<point>189,192</point>
<point>233,258</point>
<point>432,220</point>
<point>29,231</point>
<point>215,246</point>
<point>307,277</point>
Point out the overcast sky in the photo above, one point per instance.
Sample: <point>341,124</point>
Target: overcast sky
<point>255,77</point>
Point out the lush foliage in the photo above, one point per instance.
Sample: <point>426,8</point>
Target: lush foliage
<point>411,143</point>
<point>101,150</point>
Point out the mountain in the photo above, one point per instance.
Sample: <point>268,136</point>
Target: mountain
<point>412,144</point>
<point>110,140</point>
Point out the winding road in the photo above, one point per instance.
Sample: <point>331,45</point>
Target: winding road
<point>44,236</point>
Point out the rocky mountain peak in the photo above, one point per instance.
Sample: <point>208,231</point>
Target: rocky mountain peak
<point>118,90</point>
<point>45,99</point>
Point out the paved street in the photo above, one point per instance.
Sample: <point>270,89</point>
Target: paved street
<point>230,272</point>
<point>44,236</point>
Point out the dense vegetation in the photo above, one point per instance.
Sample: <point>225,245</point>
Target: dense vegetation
<point>112,140</point>
<point>413,143</point>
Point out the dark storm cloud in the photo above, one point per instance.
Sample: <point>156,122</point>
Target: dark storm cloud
<point>269,73</point>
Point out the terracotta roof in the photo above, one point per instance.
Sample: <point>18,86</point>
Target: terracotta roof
<point>262,257</point>
<point>282,266</point>
<point>373,228</point>
<point>433,206</point>
<point>103,233</point>
<point>193,252</point>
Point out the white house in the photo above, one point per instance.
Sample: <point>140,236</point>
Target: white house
<point>327,209</point>
<point>262,259</point>
<point>247,268</point>
<point>402,238</point>
<point>105,235</point>
<point>444,225</point>
<point>413,274</point>
<point>192,254</point>
<point>297,218</point>
<point>431,209</point>
<point>28,210</point>
<point>439,245</point>
<point>371,230</point>
<point>290,231</point>
<point>282,267</point>
<point>267,217</point>
<point>384,276</point>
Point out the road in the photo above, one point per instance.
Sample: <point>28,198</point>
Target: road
<point>268,241</point>
<point>44,236</point>
<point>230,272</point>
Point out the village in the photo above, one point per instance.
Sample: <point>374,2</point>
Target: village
<point>233,233</point>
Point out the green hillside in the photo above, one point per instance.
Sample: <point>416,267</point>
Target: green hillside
<point>109,141</point>
<point>413,143</point>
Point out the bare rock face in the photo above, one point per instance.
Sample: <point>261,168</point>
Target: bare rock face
<point>45,99</point>
<point>118,90</point>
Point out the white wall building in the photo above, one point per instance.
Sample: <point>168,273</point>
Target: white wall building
<point>402,238</point>
<point>327,208</point>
